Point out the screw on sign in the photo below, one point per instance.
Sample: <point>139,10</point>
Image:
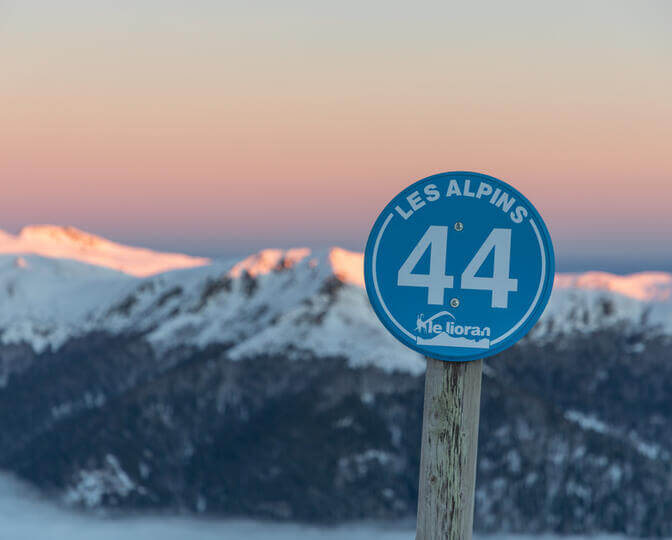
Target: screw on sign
<point>458,266</point>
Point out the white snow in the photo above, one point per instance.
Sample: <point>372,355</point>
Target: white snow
<point>274,302</point>
<point>584,310</point>
<point>348,329</point>
<point>587,422</point>
<point>92,485</point>
<point>591,423</point>
<point>44,301</point>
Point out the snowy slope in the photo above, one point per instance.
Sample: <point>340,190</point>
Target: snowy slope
<point>45,301</point>
<point>274,302</point>
<point>70,243</point>
<point>586,302</point>
<point>646,286</point>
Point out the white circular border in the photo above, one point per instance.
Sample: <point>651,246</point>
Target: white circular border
<point>492,342</point>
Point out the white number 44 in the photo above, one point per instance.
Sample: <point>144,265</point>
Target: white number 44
<point>436,282</point>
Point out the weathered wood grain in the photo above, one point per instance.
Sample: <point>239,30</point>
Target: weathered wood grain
<point>448,456</point>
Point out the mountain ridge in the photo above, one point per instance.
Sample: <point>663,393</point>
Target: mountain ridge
<point>51,241</point>
<point>67,242</point>
<point>293,300</point>
<point>288,301</point>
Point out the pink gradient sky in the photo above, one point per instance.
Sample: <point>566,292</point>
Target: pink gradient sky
<point>222,127</point>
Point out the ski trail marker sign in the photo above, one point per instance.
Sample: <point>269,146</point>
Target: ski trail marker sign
<point>459,266</point>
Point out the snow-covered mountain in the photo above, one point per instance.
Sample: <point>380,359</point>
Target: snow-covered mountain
<point>44,301</point>
<point>71,243</point>
<point>266,387</point>
<point>292,301</point>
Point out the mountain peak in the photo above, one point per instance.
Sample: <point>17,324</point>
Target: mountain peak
<point>645,286</point>
<point>267,260</point>
<point>348,266</point>
<point>65,242</point>
<point>60,233</point>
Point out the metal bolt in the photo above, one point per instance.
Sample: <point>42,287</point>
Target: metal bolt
<point>459,226</point>
<point>454,302</point>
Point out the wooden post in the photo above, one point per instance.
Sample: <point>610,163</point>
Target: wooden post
<point>448,454</point>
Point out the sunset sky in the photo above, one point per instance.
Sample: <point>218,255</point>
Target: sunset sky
<point>219,128</point>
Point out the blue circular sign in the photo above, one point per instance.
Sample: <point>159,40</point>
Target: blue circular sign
<point>459,266</point>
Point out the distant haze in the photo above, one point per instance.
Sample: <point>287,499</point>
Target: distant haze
<point>33,517</point>
<point>218,128</point>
